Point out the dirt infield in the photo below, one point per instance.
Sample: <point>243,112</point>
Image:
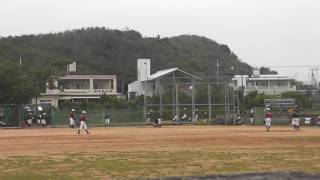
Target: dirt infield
<point>61,140</point>
<point>142,151</point>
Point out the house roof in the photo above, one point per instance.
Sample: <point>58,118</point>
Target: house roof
<point>88,77</point>
<point>263,77</point>
<point>270,78</point>
<point>164,72</point>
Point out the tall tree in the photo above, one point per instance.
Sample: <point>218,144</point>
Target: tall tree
<point>15,84</point>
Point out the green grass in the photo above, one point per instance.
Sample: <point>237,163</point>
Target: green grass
<point>128,165</point>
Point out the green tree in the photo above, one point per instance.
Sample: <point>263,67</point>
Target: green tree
<point>105,51</point>
<point>15,84</point>
<point>253,99</point>
<point>302,100</point>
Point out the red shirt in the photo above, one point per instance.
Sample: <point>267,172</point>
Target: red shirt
<point>269,115</point>
<point>83,117</point>
<point>71,115</point>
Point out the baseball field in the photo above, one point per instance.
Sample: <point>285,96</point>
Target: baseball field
<point>146,152</point>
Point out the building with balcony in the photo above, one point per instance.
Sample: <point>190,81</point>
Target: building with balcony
<point>270,84</point>
<point>78,88</point>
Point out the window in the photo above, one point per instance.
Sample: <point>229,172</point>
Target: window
<point>282,83</point>
<point>103,84</point>
<point>95,86</point>
<point>279,83</point>
<point>45,101</point>
<point>262,83</point>
<point>80,84</point>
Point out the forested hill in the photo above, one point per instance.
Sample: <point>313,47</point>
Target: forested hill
<point>105,51</point>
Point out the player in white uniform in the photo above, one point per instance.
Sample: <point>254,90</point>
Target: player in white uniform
<point>83,124</point>
<point>268,119</point>
<point>39,117</point>
<point>72,118</point>
<point>43,121</point>
<point>251,116</point>
<point>296,118</point>
<point>30,118</point>
<point>107,119</point>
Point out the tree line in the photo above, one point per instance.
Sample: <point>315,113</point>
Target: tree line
<point>98,50</point>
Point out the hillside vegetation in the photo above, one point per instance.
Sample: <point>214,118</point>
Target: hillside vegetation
<point>105,51</point>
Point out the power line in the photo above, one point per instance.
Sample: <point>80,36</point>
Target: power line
<point>302,66</point>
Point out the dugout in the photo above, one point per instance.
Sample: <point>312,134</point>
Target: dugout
<point>11,115</point>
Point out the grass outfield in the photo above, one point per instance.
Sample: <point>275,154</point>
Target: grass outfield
<point>135,152</point>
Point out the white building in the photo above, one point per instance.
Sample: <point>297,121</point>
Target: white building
<point>157,82</point>
<point>268,84</point>
<point>78,88</point>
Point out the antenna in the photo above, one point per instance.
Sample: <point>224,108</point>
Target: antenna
<point>217,71</point>
<point>313,78</point>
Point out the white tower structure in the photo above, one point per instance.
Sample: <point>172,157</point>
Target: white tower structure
<point>143,69</point>
<point>256,72</point>
<point>72,68</point>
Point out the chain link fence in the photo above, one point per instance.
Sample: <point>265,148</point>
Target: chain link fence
<point>96,118</point>
<point>11,115</point>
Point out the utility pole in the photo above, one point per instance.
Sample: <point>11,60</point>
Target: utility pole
<point>242,92</point>
<point>217,71</point>
<point>313,79</point>
<point>145,102</point>
<point>174,112</point>
<point>193,100</point>
<point>209,102</point>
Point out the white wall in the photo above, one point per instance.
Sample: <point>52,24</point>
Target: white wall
<point>143,69</point>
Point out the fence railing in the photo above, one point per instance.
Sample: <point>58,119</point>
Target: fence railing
<point>97,117</point>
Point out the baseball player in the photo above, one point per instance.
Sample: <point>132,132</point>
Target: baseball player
<point>107,119</point>
<point>29,118</point>
<point>83,124</point>
<point>39,118</point>
<point>251,116</point>
<point>72,118</point>
<point>184,118</point>
<point>206,116</point>
<point>40,114</point>
<point>148,117</point>
<point>268,119</point>
<point>296,118</point>
<point>2,121</point>
<point>43,121</point>
<point>239,121</point>
<point>196,116</point>
<point>157,120</point>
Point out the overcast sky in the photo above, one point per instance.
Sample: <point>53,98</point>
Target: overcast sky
<point>261,32</point>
